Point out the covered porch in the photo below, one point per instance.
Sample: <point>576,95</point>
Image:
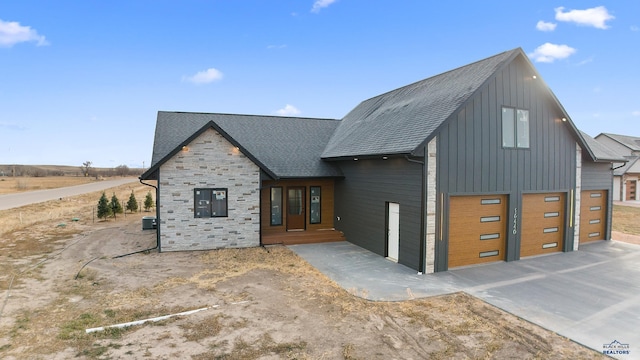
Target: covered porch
<point>298,211</point>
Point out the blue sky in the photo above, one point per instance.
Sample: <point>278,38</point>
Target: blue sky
<point>83,80</point>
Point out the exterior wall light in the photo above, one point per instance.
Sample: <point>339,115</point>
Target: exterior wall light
<point>185,148</point>
<point>564,119</point>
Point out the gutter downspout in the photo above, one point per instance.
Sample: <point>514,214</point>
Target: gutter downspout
<point>618,167</point>
<point>423,212</point>
<point>157,229</point>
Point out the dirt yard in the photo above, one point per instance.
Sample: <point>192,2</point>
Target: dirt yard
<point>261,303</point>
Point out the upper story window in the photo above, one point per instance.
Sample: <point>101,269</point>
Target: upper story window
<point>210,203</point>
<point>515,128</point>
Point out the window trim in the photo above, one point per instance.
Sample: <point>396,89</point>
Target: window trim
<point>211,192</point>
<point>514,126</point>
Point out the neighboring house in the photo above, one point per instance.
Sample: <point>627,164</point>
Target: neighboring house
<point>477,164</point>
<point>625,175</point>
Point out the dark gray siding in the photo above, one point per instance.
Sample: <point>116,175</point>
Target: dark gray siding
<point>471,158</point>
<point>599,176</point>
<point>596,176</point>
<point>361,199</point>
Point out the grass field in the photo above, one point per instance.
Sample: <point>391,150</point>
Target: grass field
<point>64,210</point>
<point>626,219</point>
<point>10,185</point>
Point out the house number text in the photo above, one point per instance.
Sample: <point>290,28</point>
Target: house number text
<point>515,221</point>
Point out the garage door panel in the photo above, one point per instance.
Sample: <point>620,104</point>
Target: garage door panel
<point>593,215</point>
<point>477,226</point>
<point>543,221</point>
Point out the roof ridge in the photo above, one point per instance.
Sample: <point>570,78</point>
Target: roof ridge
<point>622,135</point>
<point>249,115</point>
<point>442,74</point>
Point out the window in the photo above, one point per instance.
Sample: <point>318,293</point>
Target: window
<point>314,214</point>
<point>515,128</point>
<point>210,203</point>
<point>276,206</point>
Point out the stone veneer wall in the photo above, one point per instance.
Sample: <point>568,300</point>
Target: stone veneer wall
<point>576,229</point>
<point>209,162</point>
<point>432,198</point>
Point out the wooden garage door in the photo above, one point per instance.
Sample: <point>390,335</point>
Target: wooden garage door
<point>542,223</point>
<point>477,226</point>
<point>593,215</point>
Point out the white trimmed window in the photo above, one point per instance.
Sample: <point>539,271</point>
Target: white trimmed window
<point>515,128</point>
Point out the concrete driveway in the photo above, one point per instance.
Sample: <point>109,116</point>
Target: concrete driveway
<point>591,296</point>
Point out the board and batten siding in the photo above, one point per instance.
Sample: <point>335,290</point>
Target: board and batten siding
<point>599,176</point>
<point>471,159</point>
<point>209,161</point>
<point>361,198</point>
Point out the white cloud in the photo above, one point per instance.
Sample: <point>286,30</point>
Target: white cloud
<point>320,4</point>
<point>634,28</point>
<point>549,53</point>
<point>288,110</point>
<point>545,26</point>
<point>277,46</point>
<point>204,77</point>
<point>12,33</point>
<point>596,17</point>
<point>635,113</point>
<point>585,61</point>
<point>11,126</point>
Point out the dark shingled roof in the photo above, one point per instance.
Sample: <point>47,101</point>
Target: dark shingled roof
<point>399,121</point>
<point>284,147</point>
<point>600,151</point>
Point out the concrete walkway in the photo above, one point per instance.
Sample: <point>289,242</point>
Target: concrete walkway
<point>591,296</point>
<point>10,201</point>
<point>634,203</point>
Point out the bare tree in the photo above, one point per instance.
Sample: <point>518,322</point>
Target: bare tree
<point>122,170</point>
<point>86,166</point>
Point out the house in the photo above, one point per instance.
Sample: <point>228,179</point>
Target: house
<point>478,164</point>
<point>625,175</point>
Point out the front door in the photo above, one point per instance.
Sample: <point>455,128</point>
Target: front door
<point>393,231</point>
<point>631,189</point>
<point>296,208</point>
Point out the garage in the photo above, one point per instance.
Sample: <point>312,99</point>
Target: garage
<point>593,215</point>
<point>477,229</point>
<point>543,217</point>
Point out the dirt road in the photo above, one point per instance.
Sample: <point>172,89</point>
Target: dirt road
<point>10,201</point>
